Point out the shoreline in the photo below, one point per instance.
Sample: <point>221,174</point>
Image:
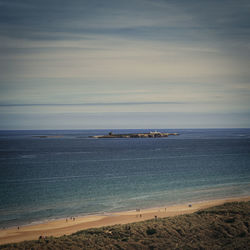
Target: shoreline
<point>66,226</point>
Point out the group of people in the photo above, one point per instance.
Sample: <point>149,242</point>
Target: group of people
<point>71,218</point>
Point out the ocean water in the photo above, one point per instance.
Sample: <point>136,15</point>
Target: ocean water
<point>70,175</point>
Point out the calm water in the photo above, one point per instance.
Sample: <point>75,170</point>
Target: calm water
<point>46,178</point>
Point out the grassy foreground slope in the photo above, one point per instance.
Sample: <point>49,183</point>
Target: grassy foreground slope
<point>222,227</point>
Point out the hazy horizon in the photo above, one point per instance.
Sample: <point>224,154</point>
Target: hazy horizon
<point>121,129</point>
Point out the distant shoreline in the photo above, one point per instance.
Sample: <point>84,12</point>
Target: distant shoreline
<point>66,226</point>
<point>151,134</point>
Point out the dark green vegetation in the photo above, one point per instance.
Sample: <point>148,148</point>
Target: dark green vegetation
<point>222,227</point>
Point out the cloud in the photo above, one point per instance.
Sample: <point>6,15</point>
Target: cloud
<point>127,56</point>
<point>90,104</point>
<point>137,18</point>
<point>123,120</point>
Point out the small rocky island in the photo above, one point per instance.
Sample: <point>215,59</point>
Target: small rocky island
<point>135,135</point>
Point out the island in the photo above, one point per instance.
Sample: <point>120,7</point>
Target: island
<point>150,134</point>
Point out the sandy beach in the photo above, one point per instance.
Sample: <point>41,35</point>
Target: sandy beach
<point>68,226</point>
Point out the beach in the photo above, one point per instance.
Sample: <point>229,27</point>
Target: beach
<point>106,182</point>
<point>68,226</point>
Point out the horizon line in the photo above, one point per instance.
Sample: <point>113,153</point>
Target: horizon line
<point>120,129</point>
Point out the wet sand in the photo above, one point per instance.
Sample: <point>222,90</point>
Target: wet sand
<point>68,226</point>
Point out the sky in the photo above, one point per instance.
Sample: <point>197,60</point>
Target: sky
<point>93,64</point>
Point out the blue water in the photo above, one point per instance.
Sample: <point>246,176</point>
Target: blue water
<point>47,178</point>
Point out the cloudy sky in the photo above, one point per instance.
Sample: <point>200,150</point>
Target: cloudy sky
<point>124,64</point>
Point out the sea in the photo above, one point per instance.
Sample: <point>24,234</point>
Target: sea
<point>51,174</point>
